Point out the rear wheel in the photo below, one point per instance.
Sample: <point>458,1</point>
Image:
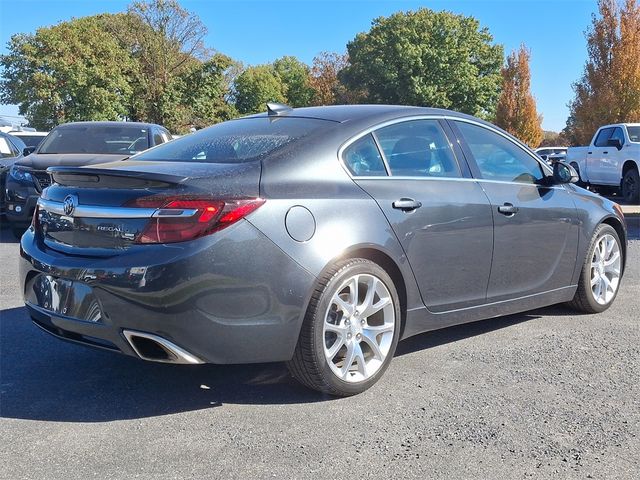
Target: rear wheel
<point>350,331</point>
<point>601,272</point>
<point>631,186</point>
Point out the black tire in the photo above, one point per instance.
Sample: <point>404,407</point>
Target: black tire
<point>309,365</point>
<point>583,299</point>
<point>631,186</point>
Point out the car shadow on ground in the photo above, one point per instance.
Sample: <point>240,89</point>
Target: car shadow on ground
<point>42,378</point>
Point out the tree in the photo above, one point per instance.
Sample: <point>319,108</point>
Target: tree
<point>167,43</point>
<point>324,80</point>
<point>295,78</point>
<point>516,110</point>
<point>256,86</point>
<point>72,71</point>
<point>609,89</point>
<point>428,58</point>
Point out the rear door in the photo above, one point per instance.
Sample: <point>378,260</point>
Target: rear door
<point>439,214</point>
<point>535,226</point>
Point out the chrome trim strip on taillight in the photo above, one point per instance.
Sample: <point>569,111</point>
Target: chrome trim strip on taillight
<point>99,211</point>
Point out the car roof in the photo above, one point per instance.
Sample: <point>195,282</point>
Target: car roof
<point>350,113</point>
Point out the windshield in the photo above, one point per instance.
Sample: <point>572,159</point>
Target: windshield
<point>100,139</point>
<point>634,133</point>
<point>237,141</point>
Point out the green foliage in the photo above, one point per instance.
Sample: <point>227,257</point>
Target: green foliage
<point>429,58</point>
<point>256,86</point>
<point>72,71</point>
<point>295,77</point>
<point>149,64</point>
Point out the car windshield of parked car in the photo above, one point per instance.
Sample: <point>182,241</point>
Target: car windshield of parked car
<point>100,139</point>
<point>237,141</point>
<point>634,134</point>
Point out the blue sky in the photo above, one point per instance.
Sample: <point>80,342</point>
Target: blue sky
<point>261,31</point>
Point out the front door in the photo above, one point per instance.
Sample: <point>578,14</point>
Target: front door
<point>535,226</point>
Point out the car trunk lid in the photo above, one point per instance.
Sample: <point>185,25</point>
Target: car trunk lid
<point>104,209</point>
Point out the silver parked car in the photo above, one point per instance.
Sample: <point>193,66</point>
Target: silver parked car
<point>317,236</point>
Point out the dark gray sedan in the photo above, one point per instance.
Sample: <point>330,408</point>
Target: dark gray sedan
<point>316,236</point>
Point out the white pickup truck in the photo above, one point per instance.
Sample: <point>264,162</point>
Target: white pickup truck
<point>612,161</point>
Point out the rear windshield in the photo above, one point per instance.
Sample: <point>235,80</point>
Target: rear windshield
<point>634,134</point>
<point>103,139</point>
<point>236,141</point>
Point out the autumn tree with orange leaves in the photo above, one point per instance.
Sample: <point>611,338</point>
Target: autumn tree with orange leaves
<point>609,90</point>
<point>516,111</point>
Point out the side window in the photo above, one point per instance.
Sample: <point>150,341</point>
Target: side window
<point>157,137</point>
<point>5,148</point>
<point>418,148</point>
<point>165,134</point>
<point>603,136</point>
<point>499,158</point>
<point>619,134</point>
<point>363,159</point>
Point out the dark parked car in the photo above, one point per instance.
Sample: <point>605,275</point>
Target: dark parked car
<point>316,236</point>
<point>73,144</point>
<point>10,151</point>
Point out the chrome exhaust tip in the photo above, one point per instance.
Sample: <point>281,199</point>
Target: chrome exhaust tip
<point>157,349</point>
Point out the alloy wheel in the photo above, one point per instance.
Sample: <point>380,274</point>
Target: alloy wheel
<point>358,328</point>
<point>606,265</point>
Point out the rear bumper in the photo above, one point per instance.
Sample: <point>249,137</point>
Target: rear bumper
<point>231,297</point>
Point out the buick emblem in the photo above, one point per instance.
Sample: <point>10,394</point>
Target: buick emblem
<point>69,204</point>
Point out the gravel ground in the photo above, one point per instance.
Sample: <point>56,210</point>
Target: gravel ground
<point>546,394</point>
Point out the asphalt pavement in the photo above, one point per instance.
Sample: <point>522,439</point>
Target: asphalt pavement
<point>544,394</point>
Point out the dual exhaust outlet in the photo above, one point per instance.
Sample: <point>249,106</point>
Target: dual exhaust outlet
<point>157,349</point>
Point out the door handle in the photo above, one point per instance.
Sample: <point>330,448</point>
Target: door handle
<point>406,204</point>
<point>605,153</point>
<point>508,209</point>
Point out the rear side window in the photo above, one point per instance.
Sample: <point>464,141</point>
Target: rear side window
<point>363,159</point>
<point>237,141</point>
<point>634,134</point>
<point>603,136</point>
<point>498,158</point>
<point>157,137</point>
<point>417,148</point>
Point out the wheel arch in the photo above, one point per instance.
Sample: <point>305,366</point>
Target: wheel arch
<point>616,224</point>
<point>628,165</point>
<point>388,264</point>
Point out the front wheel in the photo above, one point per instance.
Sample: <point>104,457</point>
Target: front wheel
<point>350,330</point>
<point>601,272</point>
<point>631,186</point>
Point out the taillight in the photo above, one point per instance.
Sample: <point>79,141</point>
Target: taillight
<point>182,218</point>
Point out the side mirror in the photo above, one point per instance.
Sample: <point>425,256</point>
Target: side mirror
<point>564,173</point>
<point>614,142</point>
<point>28,150</point>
